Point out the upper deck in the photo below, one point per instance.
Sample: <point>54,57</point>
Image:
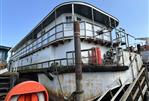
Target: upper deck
<point>75,7</point>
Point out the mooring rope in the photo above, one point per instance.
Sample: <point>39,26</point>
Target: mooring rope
<point>59,83</point>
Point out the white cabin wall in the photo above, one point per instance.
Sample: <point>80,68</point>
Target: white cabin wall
<point>43,55</point>
<point>50,53</point>
<point>59,20</point>
<point>60,51</point>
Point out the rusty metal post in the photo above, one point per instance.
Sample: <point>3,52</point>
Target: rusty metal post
<point>78,65</point>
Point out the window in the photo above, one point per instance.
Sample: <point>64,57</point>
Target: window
<point>68,24</point>
<point>78,19</point>
<point>68,18</point>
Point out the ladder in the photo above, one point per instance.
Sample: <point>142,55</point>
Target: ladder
<point>4,86</point>
<point>7,81</point>
<point>137,89</point>
<point>129,92</point>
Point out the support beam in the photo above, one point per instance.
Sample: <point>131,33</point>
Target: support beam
<point>78,65</point>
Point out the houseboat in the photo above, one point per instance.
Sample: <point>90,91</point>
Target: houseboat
<point>47,53</point>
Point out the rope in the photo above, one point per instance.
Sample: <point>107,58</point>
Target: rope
<point>59,83</point>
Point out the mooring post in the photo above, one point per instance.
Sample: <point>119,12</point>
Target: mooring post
<point>78,65</point>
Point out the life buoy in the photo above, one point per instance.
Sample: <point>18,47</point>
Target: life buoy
<point>28,91</point>
<point>98,56</point>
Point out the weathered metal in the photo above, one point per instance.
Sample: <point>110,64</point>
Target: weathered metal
<point>78,65</point>
<point>137,89</point>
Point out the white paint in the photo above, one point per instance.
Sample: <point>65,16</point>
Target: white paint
<point>14,98</point>
<point>41,96</point>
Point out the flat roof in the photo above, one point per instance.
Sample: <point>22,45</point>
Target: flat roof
<point>4,48</point>
<point>81,8</point>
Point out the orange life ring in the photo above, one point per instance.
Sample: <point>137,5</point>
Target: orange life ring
<point>28,91</point>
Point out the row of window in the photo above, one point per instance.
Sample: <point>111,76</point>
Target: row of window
<point>69,18</point>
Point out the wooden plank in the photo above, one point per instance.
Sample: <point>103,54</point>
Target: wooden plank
<point>128,91</point>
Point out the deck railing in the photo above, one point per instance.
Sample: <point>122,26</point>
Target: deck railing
<point>60,32</point>
<point>67,62</point>
<point>138,88</point>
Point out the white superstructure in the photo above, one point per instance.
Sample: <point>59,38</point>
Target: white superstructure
<point>49,47</point>
<point>53,36</point>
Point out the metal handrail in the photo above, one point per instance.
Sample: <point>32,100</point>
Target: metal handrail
<point>118,92</point>
<point>43,35</point>
<point>131,61</point>
<point>128,92</point>
<point>54,34</point>
<point>61,62</point>
<point>42,63</point>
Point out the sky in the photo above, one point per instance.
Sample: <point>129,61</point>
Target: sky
<point>19,17</point>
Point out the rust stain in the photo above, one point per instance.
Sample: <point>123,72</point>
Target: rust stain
<point>55,96</point>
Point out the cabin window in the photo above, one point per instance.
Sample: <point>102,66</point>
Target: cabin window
<point>78,19</point>
<point>68,25</point>
<point>68,18</point>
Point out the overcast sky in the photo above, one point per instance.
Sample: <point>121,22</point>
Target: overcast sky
<point>19,17</point>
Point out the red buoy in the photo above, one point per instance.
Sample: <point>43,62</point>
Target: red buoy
<point>96,56</point>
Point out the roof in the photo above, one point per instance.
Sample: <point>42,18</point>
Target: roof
<point>5,48</point>
<point>81,8</point>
